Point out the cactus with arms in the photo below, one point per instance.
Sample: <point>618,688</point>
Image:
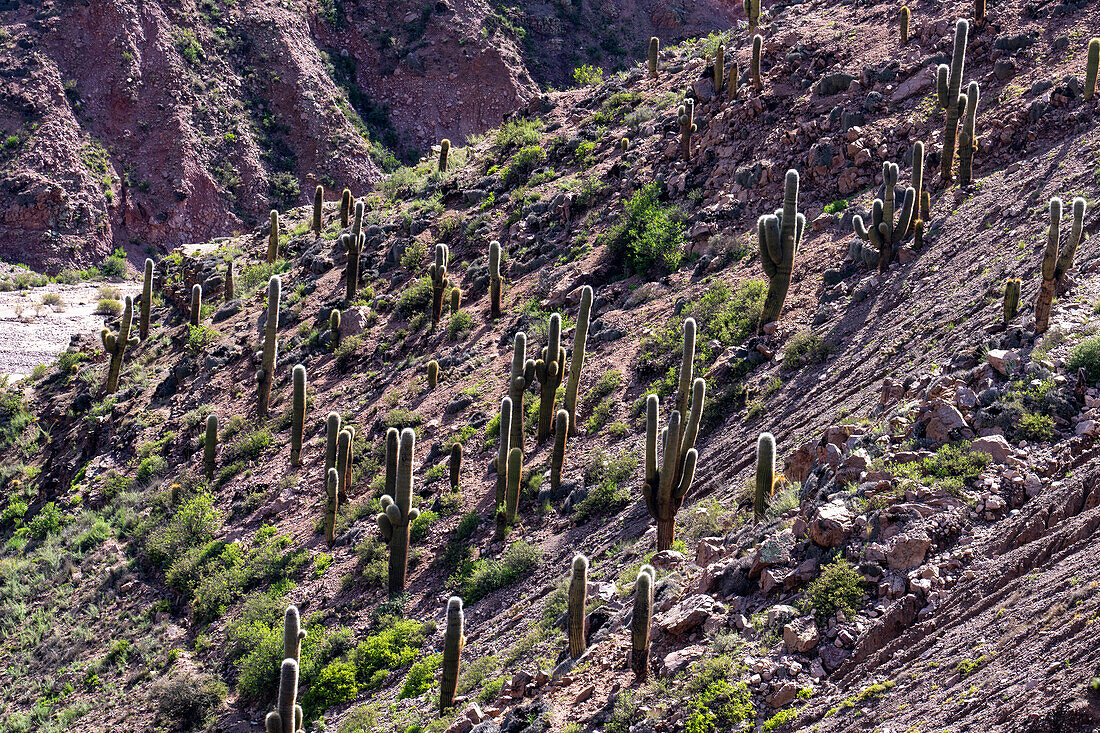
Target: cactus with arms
<point>578,599</point>
<point>266,374</point>
<point>883,233</point>
<point>293,635</point>
<point>453,641</point>
<point>146,300</point>
<point>576,361</point>
<point>437,271</point>
<point>116,342</point>
<point>289,714</point>
<point>522,377</point>
<point>949,95</point>
<point>298,414</point>
<point>549,370</point>
<point>779,235</point>
<point>968,138</point>
<point>398,515</point>
<point>765,475</point>
<point>1050,263</point>
<point>1065,258</point>
<point>685,115</point>
<point>210,445</point>
<point>641,622</point>
<point>669,478</point>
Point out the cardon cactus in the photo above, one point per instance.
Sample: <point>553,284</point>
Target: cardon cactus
<point>1050,264</point>
<point>765,475</point>
<point>557,460</point>
<point>687,370</point>
<point>345,208</point>
<point>921,212</point>
<point>668,481</point>
<point>398,515</point>
<point>318,203</point>
<point>273,238</point>
<point>230,289</point>
<point>353,244</point>
<point>505,431</point>
<point>196,303</point>
<point>779,235</point>
<point>456,300</point>
<point>287,710</point>
<point>349,463</point>
<point>444,153</point>
<point>393,444</point>
<point>752,12</point>
<point>210,445</point>
<point>883,233</point>
<point>146,300</point>
<point>455,465</point>
<point>654,51</point>
<point>298,414</point>
<point>979,11</point>
<point>549,370</point>
<point>115,343</point>
<point>433,373</point>
<point>453,642</point>
<point>968,138</point>
<point>578,599</point>
<point>266,374</point>
<point>494,279</point>
<point>511,493</point>
<point>332,433</point>
<point>437,271</point>
<point>640,623</point>
<point>949,95</point>
<point>522,377</point>
<point>757,51</point>
<point>1091,67</point>
<point>1065,258</point>
<point>334,327</point>
<point>624,143</point>
<point>719,69</point>
<point>685,115</point>
<point>273,723</point>
<point>903,21</point>
<point>332,504</point>
<point>293,635</point>
<point>343,452</point>
<point>576,360</point>
<point>1012,299</point>
<point>732,77</point>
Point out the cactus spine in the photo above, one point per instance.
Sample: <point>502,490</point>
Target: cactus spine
<point>667,484</point>
<point>719,69</point>
<point>578,599</point>
<point>433,373</point>
<point>511,494</point>
<point>115,343</point>
<point>353,243</point>
<point>453,642</point>
<point>948,91</point>
<point>293,635</point>
<point>654,51</point>
<point>332,433</point>
<point>1012,299</point>
<point>576,362</point>
<point>334,327</point>
<point>494,279</point>
<point>267,370</point>
<point>765,474</point>
<point>1065,259</point>
<point>757,50</point>
<point>522,376</point>
<point>397,513</point>
<point>318,203</point>
<point>345,208</point>
<point>332,483</point>
<point>230,290</point>
<point>437,271</point>
<point>196,303</point>
<point>752,12</point>
<point>298,414</point>
<point>883,233</point>
<point>779,235</point>
<point>210,445</point>
<point>732,77</point>
<point>903,21</point>
<point>146,300</point>
<point>686,117</point>
<point>455,465</point>
<point>549,370</point>
<point>1091,67</point>
<point>561,431</point>
<point>502,451</point>
<point>968,138</point>
<point>273,238</point>
<point>641,622</point>
<point>444,152</point>
<point>343,452</point>
<point>1050,263</point>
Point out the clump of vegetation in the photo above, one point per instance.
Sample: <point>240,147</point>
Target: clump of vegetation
<point>1086,355</point>
<point>650,237</point>
<point>716,703</point>
<point>613,490</point>
<point>805,347</point>
<point>951,468</point>
<point>838,588</point>
<point>477,579</point>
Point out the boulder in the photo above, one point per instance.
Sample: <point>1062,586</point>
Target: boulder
<point>907,551</point>
<point>831,525</point>
<point>995,446</point>
<point>774,551</point>
<point>1004,361</point>
<point>687,615</point>
<point>786,693</point>
<point>943,423</point>
<point>353,321</point>
<point>681,659</point>
<point>801,635</point>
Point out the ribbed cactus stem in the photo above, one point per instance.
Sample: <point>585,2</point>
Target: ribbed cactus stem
<point>1065,258</point>
<point>1050,266</point>
<point>230,288</point>
<point>624,143</point>
<point>578,599</point>
<point>318,204</point>
<point>267,369</point>
<point>494,279</point>
<point>343,451</point>
<point>949,94</point>
<point>779,237</point>
<point>654,51</point>
<point>511,494</point>
<point>273,238</point>
<point>437,271</point>
<point>503,449</point>
<point>686,117</point>
<point>332,433</point>
<point>444,153</point>
<point>210,445</point>
<point>455,465</point>
<point>433,373</point>
<point>453,642</point>
<point>670,463</point>
<point>334,327</point>
<point>752,12</point>
<point>393,445</point>
<point>1092,64</point>
<point>345,209</point>
<point>298,414</point>
<point>196,303</point>
<point>576,362</point>
<point>903,22</point>
<point>641,622</point>
<point>397,514</point>
<point>293,635</point>
<point>273,723</point>
<point>332,504</point>
<point>353,244</point>
<point>557,460</point>
<point>1012,299</point>
<point>733,76</point>
<point>920,208</point>
<point>549,370</point>
<point>146,300</point>
<point>116,342</point>
<point>687,369</point>
<point>522,376</point>
<point>288,693</point>
<point>456,300</point>
<point>968,138</point>
<point>765,475</point>
<point>757,51</point>
<point>349,463</point>
<point>719,69</point>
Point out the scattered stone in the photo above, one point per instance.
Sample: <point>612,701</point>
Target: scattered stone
<point>801,635</point>
<point>831,525</point>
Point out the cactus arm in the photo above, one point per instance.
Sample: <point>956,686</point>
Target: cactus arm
<point>503,449</point>
<point>901,231</point>
<point>576,363</point>
<point>288,692</point>
<point>1065,259</point>
<point>578,597</point>
<point>687,371</point>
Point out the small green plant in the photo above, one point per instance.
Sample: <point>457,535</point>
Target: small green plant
<point>479,578</point>
<point>838,588</point>
<point>805,347</point>
<point>650,235</point>
<point>199,337</point>
<point>1086,355</point>
<point>587,75</point>
<point>1036,427</point>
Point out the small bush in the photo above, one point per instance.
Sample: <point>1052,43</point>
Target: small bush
<point>334,684</point>
<point>650,237</point>
<point>587,75</point>
<point>459,324</point>
<point>46,522</point>
<point>482,577</point>
<point>345,353</point>
<point>412,259</point>
<point>613,490</point>
<point>421,677</point>
<point>416,298</point>
<point>805,347</point>
<point>838,588</point>
<point>199,337</point>
<point>523,163</point>
<point>1086,354</point>
<point>1036,427</point>
<point>188,700</point>
<point>108,307</point>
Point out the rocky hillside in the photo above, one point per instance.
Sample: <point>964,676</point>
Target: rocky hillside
<point>917,556</point>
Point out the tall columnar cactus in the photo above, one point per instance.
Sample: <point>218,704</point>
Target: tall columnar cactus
<point>115,343</point>
<point>353,244</point>
<point>343,451</point>
<point>757,51</point>
<point>549,370</point>
<point>210,445</point>
<point>393,445</point>
<point>444,153</point>
<point>576,360</point>
<point>687,372</point>
<point>437,271</point>
<point>433,373</point>
<point>732,77</point>
<point>949,94</point>
<point>334,327</point>
<point>1012,299</point>
<point>318,203</point>
<point>1092,64</point>
<point>453,642</point>
<point>578,599</point>
<point>641,622</point>
<point>349,463</point>
<point>345,209</point>
<point>1065,258</point>
<point>624,144</point>
<point>685,115</point>
<point>397,513</point>
<point>455,465</point>
<point>883,233</point>
<point>293,635</point>
<point>920,212</point>
<point>505,431</point>
<point>968,138</point>
<point>332,438</point>
<point>298,414</point>
<point>752,12</point>
<point>146,300</point>
<point>273,238</point>
<point>287,711</point>
<point>332,504</point>
<point>522,377</point>
<point>719,69</point>
<point>196,304</point>
<point>779,235</point>
<point>266,374</point>
<point>456,300</point>
<point>903,21</point>
<point>979,12</point>
<point>654,52</point>
<point>668,481</point>
<point>1050,263</point>
<point>511,493</point>
<point>494,279</point>
<point>557,459</point>
<point>765,475</point>
<point>230,288</point>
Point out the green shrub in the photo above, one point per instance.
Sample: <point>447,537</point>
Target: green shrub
<point>395,645</point>
<point>46,522</point>
<point>15,418</point>
<point>805,347</point>
<point>460,323</point>
<point>418,532</point>
<point>412,259</point>
<point>188,700</point>
<point>717,704</point>
<point>1086,354</point>
<point>650,236</point>
<point>522,164</point>
<point>613,486</point>
<point>587,75</point>
<point>149,469</point>
<point>334,684</point>
<point>114,265</point>
<point>199,337</point>
<point>108,307</point>
<point>838,588</point>
<point>416,298</point>
<point>1036,427</point>
<point>783,717</point>
<point>421,677</point>
<point>345,353</point>
<point>479,578</point>
<point>516,134</point>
